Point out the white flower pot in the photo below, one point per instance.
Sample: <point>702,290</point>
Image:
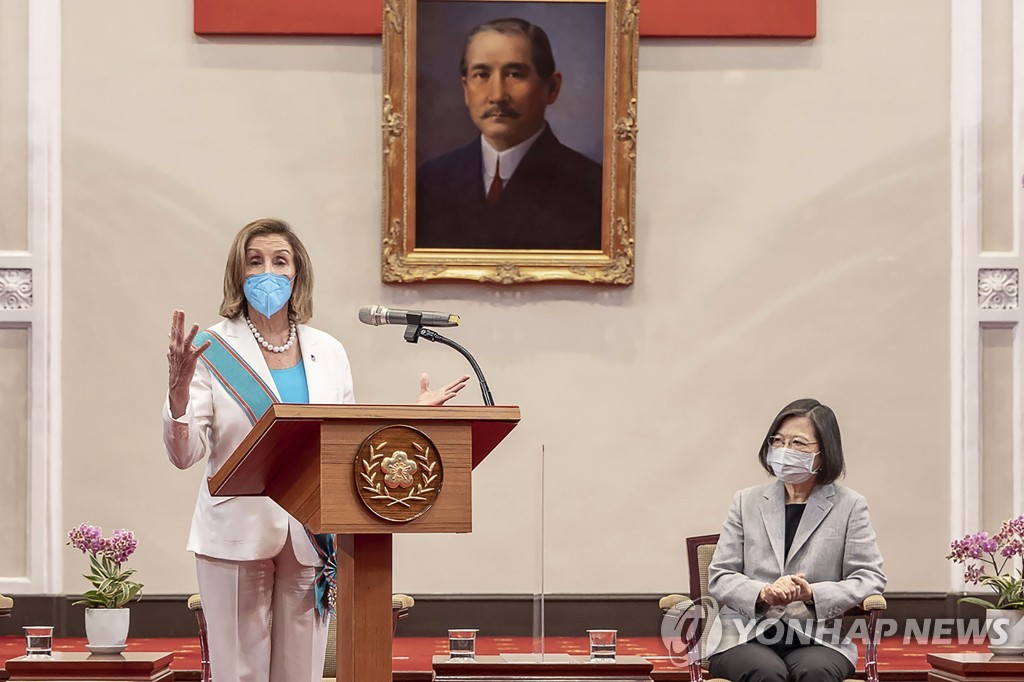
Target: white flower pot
<point>106,629</point>
<point>1005,631</point>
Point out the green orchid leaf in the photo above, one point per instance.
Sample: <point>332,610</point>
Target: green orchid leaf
<point>135,591</point>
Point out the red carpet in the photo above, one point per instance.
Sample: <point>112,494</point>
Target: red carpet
<point>414,653</point>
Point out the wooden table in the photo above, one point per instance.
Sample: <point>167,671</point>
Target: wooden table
<point>134,666</point>
<point>987,667</point>
<point>564,668</point>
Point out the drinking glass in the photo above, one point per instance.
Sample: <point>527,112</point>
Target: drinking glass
<point>462,645</point>
<point>602,645</point>
<point>38,640</point>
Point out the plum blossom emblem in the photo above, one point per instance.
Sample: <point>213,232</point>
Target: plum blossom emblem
<point>399,470</point>
<point>398,473</point>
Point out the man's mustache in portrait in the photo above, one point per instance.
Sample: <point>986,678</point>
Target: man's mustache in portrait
<point>503,112</point>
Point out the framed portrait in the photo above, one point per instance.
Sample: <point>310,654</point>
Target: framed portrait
<point>509,140</point>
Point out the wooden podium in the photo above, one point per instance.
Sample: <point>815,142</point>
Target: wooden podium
<point>366,472</point>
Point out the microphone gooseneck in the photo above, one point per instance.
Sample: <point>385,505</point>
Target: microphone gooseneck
<point>416,322</point>
<point>414,333</point>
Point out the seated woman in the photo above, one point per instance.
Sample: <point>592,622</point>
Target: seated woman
<point>793,555</point>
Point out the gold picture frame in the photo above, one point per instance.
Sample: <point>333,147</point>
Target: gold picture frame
<point>402,260</point>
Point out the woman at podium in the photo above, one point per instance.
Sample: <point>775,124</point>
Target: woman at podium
<point>252,558</point>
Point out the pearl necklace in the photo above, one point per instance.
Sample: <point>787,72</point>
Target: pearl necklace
<point>263,342</point>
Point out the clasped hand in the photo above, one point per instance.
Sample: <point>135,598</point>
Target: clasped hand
<point>785,590</point>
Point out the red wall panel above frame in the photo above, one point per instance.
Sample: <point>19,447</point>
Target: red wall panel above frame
<point>288,17</point>
<point>658,18</point>
<point>728,18</point>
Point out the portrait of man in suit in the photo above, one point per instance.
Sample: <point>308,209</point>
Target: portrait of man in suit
<point>515,186</point>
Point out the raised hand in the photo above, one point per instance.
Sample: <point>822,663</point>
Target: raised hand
<point>441,395</point>
<point>182,357</point>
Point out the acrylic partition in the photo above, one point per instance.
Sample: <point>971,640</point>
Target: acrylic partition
<point>538,593</point>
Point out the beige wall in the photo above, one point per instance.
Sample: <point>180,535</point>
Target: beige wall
<point>13,124</point>
<point>793,239</point>
<point>14,377</point>
<point>14,342</point>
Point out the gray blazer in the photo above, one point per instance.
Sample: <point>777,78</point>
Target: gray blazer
<point>834,548</point>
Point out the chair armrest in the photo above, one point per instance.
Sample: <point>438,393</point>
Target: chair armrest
<point>195,602</point>
<point>402,601</point>
<point>667,602</point>
<point>873,603</point>
<point>6,604</point>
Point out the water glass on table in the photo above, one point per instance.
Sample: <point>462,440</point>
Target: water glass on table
<point>602,645</point>
<point>38,640</point>
<point>462,644</point>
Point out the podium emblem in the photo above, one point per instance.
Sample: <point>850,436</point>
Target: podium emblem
<point>398,473</point>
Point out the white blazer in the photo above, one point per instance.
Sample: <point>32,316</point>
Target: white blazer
<point>246,528</point>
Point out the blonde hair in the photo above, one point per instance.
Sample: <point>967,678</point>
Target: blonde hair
<point>300,306</point>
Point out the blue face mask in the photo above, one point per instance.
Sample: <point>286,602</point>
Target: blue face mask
<point>267,293</point>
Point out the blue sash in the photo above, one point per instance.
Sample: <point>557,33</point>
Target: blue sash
<point>253,395</point>
<point>236,376</point>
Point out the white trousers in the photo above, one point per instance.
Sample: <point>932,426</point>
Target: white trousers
<point>238,598</point>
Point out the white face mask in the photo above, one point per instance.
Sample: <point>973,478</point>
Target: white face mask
<point>791,466</point>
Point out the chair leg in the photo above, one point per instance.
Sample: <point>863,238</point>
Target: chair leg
<point>696,672</point>
<point>204,647</point>
<point>871,649</point>
<point>693,651</point>
<point>396,615</point>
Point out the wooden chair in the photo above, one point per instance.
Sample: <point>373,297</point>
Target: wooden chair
<point>699,551</point>
<point>6,604</point>
<point>400,605</point>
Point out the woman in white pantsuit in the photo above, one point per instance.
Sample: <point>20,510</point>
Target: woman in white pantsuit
<point>252,558</point>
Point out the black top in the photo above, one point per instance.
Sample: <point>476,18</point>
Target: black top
<point>793,514</point>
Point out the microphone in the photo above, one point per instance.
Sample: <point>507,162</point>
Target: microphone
<point>415,321</point>
<point>377,315</point>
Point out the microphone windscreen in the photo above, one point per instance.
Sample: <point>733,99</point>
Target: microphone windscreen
<point>366,314</point>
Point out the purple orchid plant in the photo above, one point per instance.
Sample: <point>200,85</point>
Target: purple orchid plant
<point>999,553</point>
<point>112,588</point>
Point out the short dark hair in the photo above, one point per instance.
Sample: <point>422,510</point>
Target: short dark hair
<point>540,46</point>
<point>826,431</point>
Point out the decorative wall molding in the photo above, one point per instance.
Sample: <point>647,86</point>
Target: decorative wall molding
<point>16,288</point>
<point>502,615</point>
<point>45,223</point>
<point>997,288</point>
<point>984,290</point>
<point>30,285</point>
